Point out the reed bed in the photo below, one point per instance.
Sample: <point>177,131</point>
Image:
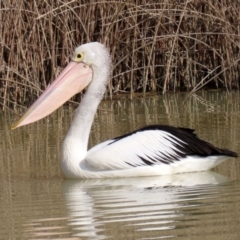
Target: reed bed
<point>156,46</point>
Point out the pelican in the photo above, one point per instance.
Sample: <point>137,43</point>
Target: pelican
<point>149,151</point>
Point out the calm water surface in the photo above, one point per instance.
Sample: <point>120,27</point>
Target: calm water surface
<point>38,203</point>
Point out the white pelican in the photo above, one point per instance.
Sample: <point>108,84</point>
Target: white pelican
<point>149,151</point>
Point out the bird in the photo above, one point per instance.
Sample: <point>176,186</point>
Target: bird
<point>149,151</point>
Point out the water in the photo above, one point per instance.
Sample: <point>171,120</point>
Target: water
<point>38,203</point>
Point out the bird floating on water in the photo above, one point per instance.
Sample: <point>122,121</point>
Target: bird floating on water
<point>149,151</point>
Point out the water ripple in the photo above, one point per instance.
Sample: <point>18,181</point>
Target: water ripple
<point>184,206</point>
<point>146,208</point>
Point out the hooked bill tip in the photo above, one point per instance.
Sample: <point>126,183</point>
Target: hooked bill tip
<point>12,127</point>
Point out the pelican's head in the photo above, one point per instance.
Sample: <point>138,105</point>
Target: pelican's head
<point>88,59</point>
<point>94,54</point>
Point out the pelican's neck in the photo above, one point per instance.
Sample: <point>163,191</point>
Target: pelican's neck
<point>84,116</point>
<point>76,141</point>
<point>74,149</point>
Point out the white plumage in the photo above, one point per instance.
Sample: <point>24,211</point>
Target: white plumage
<point>129,151</point>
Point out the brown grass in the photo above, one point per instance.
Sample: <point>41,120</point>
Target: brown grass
<point>156,46</point>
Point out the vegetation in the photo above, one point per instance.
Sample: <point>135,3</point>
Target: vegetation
<point>156,46</point>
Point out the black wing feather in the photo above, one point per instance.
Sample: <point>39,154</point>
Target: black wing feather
<point>193,145</point>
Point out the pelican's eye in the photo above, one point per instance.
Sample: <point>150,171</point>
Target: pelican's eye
<point>79,57</point>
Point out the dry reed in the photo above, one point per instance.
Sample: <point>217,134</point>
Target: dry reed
<point>156,46</point>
